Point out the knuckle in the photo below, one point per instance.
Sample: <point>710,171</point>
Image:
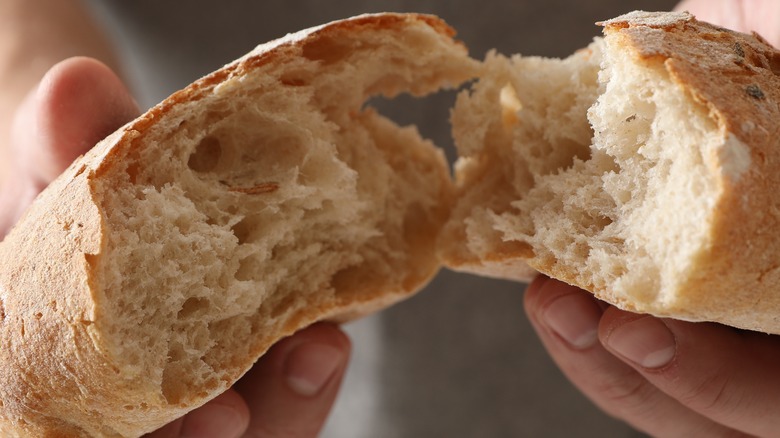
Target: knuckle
<point>711,393</point>
<point>624,393</point>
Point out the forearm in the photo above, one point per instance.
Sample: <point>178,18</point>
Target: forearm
<point>34,35</point>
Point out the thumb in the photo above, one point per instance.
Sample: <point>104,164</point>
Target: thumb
<point>78,102</point>
<point>291,390</point>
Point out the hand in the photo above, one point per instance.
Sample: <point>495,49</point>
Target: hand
<point>290,391</point>
<point>762,16</point>
<point>665,377</point>
<point>287,394</point>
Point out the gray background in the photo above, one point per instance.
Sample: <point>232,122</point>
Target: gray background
<point>459,359</point>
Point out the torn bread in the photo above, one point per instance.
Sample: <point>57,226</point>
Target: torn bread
<point>150,276</point>
<point>266,196</point>
<point>644,169</point>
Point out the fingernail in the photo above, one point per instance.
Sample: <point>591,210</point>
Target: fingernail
<point>646,341</point>
<point>575,319</point>
<point>310,366</point>
<point>212,419</point>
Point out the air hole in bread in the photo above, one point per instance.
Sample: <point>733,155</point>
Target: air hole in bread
<point>243,230</point>
<point>133,167</point>
<point>247,269</point>
<point>327,50</point>
<point>175,352</point>
<point>206,155</point>
<point>192,306</point>
<point>299,78</point>
<point>282,197</point>
<point>172,388</point>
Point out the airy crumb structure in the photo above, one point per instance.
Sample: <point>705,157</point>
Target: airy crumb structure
<point>633,215</point>
<point>524,119</point>
<point>274,197</point>
<point>606,169</point>
<point>258,200</point>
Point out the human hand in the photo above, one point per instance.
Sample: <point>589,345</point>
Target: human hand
<point>762,16</point>
<point>667,378</point>
<point>290,391</point>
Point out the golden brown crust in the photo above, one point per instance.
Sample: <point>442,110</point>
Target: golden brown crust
<point>47,336</point>
<point>735,76</point>
<point>54,379</point>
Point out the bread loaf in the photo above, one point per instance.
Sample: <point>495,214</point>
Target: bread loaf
<point>643,169</point>
<point>266,196</point>
<point>152,274</point>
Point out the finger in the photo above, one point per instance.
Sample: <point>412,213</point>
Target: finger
<point>726,13</point>
<point>567,321</point>
<point>762,16</point>
<point>291,390</point>
<point>225,416</point>
<point>722,373</point>
<point>170,430</point>
<point>78,102</point>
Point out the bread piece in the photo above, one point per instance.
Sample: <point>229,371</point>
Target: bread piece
<point>151,275</point>
<point>668,205</point>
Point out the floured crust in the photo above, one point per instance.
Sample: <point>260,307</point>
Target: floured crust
<point>56,379</point>
<point>663,20</point>
<point>736,77</point>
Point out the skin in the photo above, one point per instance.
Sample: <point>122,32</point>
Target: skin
<point>664,377</point>
<point>50,113</point>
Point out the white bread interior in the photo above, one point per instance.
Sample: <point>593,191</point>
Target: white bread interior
<point>605,170</point>
<point>606,198</point>
<point>524,118</point>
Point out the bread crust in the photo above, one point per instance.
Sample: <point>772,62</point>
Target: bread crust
<point>55,378</point>
<point>735,77</point>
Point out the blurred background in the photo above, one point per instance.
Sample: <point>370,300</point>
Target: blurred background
<point>460,358</point>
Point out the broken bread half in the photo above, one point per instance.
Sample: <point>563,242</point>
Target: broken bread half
<point>152,274</point>
<point>643,169</point>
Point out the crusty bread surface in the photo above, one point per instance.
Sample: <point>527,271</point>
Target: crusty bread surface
<point>643,169</point>
<point>266,196</point>
<point>150,276</point>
